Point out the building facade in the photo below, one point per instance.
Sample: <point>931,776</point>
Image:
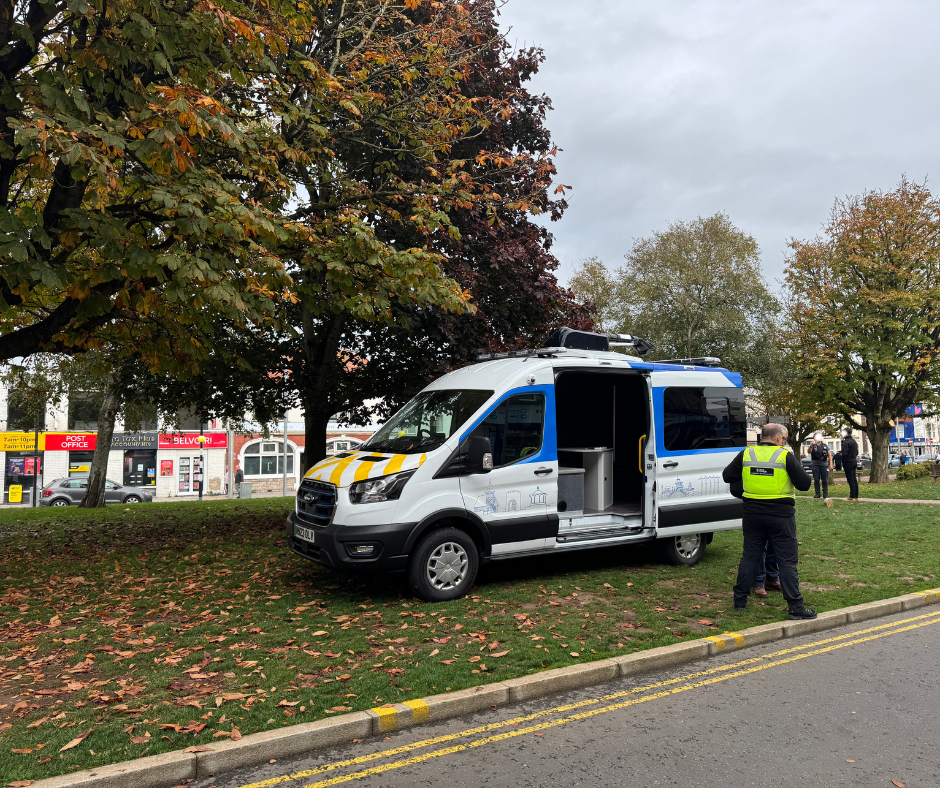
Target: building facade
<point>167,462</point>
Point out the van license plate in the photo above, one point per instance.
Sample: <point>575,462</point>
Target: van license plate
<point>304,533</point>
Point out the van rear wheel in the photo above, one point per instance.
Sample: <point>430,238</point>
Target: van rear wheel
<point>685,550</point>
<point>443,565</point>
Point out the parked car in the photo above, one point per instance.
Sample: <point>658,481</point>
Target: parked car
<point>65,492</point>
<point>864,462</point>
<point>928,458</point>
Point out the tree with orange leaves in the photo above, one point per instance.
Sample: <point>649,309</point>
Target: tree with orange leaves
<point>866,310</point>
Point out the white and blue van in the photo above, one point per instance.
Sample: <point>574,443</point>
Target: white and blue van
<point>567,447</point>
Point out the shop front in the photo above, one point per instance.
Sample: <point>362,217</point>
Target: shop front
<point>22,467</point>
<point>140,457</point>
<point>185,463</point>
<point>133,455</point>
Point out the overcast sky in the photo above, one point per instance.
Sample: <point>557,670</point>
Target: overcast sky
<point>767,111</point>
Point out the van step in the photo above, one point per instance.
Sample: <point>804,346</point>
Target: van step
<point>597,533</point>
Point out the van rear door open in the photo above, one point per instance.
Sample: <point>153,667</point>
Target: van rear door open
<point>700,426</point>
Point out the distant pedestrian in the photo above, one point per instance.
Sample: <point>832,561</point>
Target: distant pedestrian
<point>850,462</point>
<point>821,464</point>
<point>239,478</point>
<point>837,460</point>
<point>769,476</point>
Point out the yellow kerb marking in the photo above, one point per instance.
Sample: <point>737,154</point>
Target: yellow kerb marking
<point>420,710</point>
<point>388,719</point>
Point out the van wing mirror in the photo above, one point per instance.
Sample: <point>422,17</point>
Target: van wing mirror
<point>479,455</point>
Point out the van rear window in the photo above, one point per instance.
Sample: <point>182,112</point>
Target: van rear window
<point>703,418</point>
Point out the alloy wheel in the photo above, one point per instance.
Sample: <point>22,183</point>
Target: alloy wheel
<point>688,545</point>
<point>447,566</point>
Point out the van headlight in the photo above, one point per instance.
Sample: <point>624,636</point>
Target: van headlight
<point>385,488</point>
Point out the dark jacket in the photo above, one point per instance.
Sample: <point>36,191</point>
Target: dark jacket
<point>239,476</point>
<point>849,451</point>
<point>733,475</point>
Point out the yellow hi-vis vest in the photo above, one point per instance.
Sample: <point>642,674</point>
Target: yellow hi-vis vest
<point>765,473</point>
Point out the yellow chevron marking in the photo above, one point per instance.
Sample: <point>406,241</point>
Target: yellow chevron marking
<point>394,464</point>
<point>366,469</point>
<point>340,467</point>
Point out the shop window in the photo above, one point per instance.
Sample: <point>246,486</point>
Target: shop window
<point>187,421</point>
<point>266,458</point>
<point>20,416</point>
<point>83,412</point>
<point>703,418</point>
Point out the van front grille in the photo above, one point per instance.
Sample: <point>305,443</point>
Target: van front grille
<point>316,502</point>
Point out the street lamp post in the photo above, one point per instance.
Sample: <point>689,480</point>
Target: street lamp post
<point>284,492</point>
<point>34,500</point>
<point>202,472</point>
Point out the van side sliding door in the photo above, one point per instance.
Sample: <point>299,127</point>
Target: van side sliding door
<point>700,425</point>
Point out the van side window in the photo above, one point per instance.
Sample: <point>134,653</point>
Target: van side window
<point>703,418</point>
<point>514,428</point>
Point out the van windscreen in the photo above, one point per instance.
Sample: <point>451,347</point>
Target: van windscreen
<point>427,421</point>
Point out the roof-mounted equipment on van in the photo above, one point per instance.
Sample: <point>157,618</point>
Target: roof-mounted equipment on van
<point>541,352</point>
<point>700,361</point>
<point>598,342</point>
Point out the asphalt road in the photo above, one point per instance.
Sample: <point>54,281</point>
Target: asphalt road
<point>855,706</point>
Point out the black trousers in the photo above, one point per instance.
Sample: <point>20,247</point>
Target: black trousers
<point>821,472</point>
<point>851,476</point>
<point>780,531</point>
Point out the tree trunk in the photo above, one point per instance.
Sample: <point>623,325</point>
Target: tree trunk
<point>94,493</point>
<point>880,451</point>
<point>315,424</point>
<point>321,349</point>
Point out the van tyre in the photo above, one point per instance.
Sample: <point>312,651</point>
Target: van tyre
<point>443,565</point>
<point>685,550</point>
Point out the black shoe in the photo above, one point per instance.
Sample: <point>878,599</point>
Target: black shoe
<point>803,614</point>
<point>739,609</point>
<point>817,496</point>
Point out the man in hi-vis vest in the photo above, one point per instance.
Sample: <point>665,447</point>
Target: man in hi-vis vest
<point>767,477</point>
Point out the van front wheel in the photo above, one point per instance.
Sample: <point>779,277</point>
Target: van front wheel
<point>685,550</point>
<point>443,565</point>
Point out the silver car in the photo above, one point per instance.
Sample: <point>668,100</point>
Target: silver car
<point>65,492</point>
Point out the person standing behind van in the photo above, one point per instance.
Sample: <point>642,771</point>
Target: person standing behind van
<point>850,462</point>
<point>821,464</point>
<point>769,475</point>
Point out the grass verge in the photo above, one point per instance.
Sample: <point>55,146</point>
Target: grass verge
<point>163,626</point>
<point>915,489</point>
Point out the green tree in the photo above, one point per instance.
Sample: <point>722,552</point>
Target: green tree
<point>594,285</point>
<point>490,247</point>
<point>697,289</point>
<point>170,162</point>
<point>866,297</point>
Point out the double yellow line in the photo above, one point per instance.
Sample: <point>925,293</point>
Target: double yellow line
<point>666,688</point>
